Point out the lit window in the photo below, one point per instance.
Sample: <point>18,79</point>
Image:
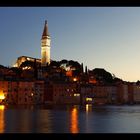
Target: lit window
<point>74,79</point>
<point>76,94</point>
<point>88,99</point>
<point>26,68</point>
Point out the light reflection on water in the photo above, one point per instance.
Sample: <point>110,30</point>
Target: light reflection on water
<point>74,120</point>
<point>2,118</point>
<point>70,119</point>
<point>88,108</point>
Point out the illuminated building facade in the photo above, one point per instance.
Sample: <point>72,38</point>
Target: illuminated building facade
<point>21,92</point>
<point>22,59</point>
<point>45,46</point>
<point>62,93</point>
<point>94,94</point>
<point>30,92</point>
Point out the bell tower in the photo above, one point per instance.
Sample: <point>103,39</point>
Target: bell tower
<point>45,46</point>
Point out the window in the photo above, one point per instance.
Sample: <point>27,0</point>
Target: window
<point>76,94</point>
<point>88,99</point>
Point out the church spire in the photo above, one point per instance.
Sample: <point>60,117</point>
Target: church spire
<point>45,46</point>
<point>45,31</point>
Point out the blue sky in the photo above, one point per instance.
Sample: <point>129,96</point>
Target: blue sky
<point>100,37</point>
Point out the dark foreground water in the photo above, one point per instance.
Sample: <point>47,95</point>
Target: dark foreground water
<point>70,119</point>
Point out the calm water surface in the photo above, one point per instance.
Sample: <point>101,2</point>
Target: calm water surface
<point>70,119</point>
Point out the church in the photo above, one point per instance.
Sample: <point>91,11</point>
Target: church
<point>45,50</point>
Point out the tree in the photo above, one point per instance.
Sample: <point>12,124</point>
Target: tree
<point>64,61</point>
<point>102,75</point>
<point>138,82</point>
<point>54,64</point>
<point>86,71</point>
<point>82,68</point>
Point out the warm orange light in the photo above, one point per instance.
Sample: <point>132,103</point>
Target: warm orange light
<point>2,95</point>
<point>74,79</point>
<point>93,81</point>
<point>26,68</point>
<point>74,121</point>
<point>69,73</point>
<point>2,107</point>
<point>2,123</point>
